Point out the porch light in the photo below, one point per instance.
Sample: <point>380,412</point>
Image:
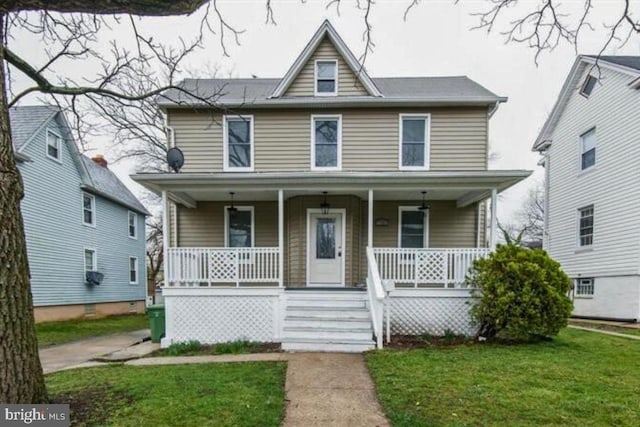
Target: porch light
<point>324,206</point>
<point>425,206</point>
<point>232,208</point>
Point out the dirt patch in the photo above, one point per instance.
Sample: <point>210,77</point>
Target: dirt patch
<point>408,342</point>
<point>605,327</point>
<point>94,405</point>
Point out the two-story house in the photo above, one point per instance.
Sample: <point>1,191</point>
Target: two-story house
<point>84,229</point>
<point>591,151</point>
<point>302,196</point>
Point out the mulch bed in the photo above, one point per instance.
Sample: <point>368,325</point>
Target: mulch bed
<point>408,342</point>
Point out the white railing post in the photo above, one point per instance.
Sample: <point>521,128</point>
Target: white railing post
<point>280,237</point>
<point>165,239</point>
<point>494,219</point>
<point>370,220</point>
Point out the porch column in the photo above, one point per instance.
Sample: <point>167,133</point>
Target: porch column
<point>494,219</point>
<point>166,236</point>
<point>370,220</point>
<point>280,237</point>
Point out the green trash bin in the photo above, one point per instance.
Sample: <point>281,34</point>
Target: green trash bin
<point>156,320</point>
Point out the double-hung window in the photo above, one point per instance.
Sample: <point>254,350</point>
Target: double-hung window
<point>239,227</point>
<point>585,287</point>
<point>133,225</point>
<point>326,142</point>
<point>90,260</point>
<point>588,149</point>
<point>54,146</point>
<point>133,270</point>
<point>238,143</point>
<point>412,228</point>
<point>414,141</point>
<point>88,209</point>
<point>585,226</point>
<point>326,78</point>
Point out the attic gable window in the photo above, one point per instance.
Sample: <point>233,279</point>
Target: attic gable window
<point>54,145</point>
<point>326,77</point>
<point>588,85</point>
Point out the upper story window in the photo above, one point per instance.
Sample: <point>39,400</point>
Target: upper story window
<point>585,226</point>
<point>90,260</point>
<point>414,141</point>
<point>326,142</point>
<point>239,227</point>
<point>585,287</point>
<point>54,146</point>
<point>326,78</point>
<point>588,149</point>
<point>412,227</point>
<point>133,270</point>
<point>133,225</point>
<point>588,85</point>
<point>88,209</point>
<point>238,143</point>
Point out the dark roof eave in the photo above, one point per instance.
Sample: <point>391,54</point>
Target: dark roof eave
<point>97,192</point>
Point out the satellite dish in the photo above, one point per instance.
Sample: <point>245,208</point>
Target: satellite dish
<point>175,159</point>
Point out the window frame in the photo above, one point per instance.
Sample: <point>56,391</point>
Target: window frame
<point>427,140</point>
<point>579,244</point>
<point>225,145</point>
<point>584,85</point>
<point>135,225</point>
<point>137,270</point>
<point>581,153</point>
<point>59,147</point>
<point>425,237</point>
<point>335,78</point>
<point>338,166</point>
<point>592,287</point>
<point>226,224</point>
<point>95,259</point>
<point>93,209</point>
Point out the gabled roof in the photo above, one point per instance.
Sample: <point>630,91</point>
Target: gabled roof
<point>326,30</point>
<point>629,65</point>
<point>28,121</point>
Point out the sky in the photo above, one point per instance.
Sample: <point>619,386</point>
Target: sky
<point>436,39</point>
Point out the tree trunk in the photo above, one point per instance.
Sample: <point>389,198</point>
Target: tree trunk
<point>21,377</point>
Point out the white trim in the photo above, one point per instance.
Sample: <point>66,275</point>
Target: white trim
<point>577,286</point>
<point>493,230</point>
<point>427,140</point>
<point>425,237</point>
<point>137,270</point>
<point>59,147</point>
<point>579,247</point>
<point>225,138</point>
<point>581,152</point>
<point>370,218</point>
<point>335,78</point>
<point>343,214</point>
<point>94,267</point>
<point>338,166</point>
<point>226,223</point>
<point>93,209</point>
<point>135,225</point>
<point>281,237</point>
<point>166,238</point>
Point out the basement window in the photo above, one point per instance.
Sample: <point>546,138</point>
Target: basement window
<point>585,287</point>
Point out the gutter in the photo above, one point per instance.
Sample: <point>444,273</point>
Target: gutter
<point>97,192</point>
<point>21,158</point>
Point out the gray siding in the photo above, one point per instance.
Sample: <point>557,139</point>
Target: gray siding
<point>369,139</point>
<point>612,186</point>
<point>56,237</point>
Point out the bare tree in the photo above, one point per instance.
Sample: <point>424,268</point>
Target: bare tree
<point>527,227</point>
<point>155,254</point>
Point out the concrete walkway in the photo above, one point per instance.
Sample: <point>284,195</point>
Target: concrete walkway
<point>71,355</point>
<point>602,331</point>
<point>322,389</point>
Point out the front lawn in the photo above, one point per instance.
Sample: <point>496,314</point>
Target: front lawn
<point>220,394</point>
<point>50,333</point>
<point>579,378</point>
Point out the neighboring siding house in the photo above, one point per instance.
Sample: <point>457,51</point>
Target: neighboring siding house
<point>78,217</point>
<point>317,186</point>
<point>591,151</point>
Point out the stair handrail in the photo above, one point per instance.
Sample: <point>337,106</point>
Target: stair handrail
<point>376,295</point>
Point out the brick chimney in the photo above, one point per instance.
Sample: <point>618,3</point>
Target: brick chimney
<point>100,160</point>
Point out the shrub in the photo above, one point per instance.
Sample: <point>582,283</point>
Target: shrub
<point>236,347</point>
<point>520,293</point>
<point>184,347</point>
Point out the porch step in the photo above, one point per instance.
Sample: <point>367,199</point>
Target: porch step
<point>338,346</point>
<point>327,321</point>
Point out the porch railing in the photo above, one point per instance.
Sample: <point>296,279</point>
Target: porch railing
<point>443,267</point>
<point>375,293</point>
<point>235,266</point>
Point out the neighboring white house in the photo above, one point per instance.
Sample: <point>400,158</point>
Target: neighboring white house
<point>591,149</point>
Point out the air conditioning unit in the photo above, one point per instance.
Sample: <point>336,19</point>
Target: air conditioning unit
<point>93,277</point>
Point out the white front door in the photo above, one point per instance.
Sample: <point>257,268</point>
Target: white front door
<point>324,250</point>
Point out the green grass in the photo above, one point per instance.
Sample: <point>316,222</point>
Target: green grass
<point>50,333</point>
<point>195,348</point>
<point>579,378</point>
<point>220,394</point>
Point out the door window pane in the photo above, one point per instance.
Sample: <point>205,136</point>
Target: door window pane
<point>412,229</point>
<point>239,142</point>
<point>240,229</point>
<point>326,238</point>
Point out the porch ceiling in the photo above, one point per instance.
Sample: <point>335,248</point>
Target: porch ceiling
<point>466,187</point>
